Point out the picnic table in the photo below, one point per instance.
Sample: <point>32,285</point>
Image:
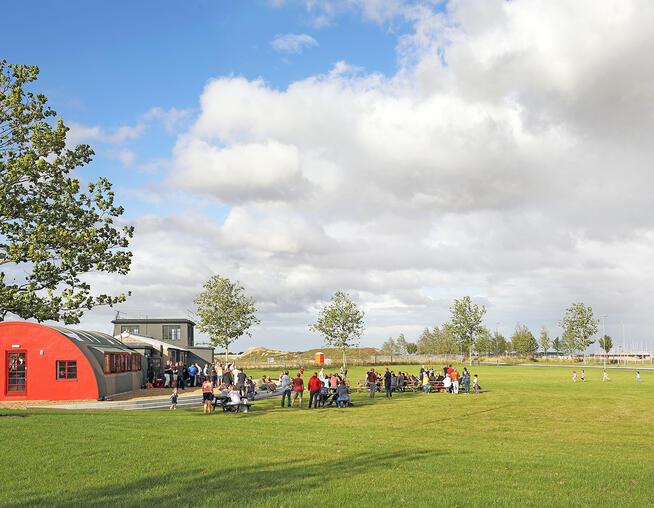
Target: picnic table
<point>228,406</point>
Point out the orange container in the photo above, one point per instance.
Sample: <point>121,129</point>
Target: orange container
<point>319,358</point>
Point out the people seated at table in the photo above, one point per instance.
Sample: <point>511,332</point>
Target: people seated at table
<point>342,395</point>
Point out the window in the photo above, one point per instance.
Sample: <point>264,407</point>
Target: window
<point>66,369</point>
<point>121,362</point>
<point>172,332</point>
<point>133,329</point>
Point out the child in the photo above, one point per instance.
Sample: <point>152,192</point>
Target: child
<point>637,376</point>
<point>583,375</point>
<point>173,399</point>
<point>574,376</point>
<point>605,377</point>
<point>475,384</point>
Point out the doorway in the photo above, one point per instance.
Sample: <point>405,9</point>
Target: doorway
<point>16,372</point>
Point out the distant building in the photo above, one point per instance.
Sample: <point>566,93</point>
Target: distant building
<point>160,340</point>
<point>178,332</point>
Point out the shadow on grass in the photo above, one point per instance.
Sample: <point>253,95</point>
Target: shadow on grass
<point>250,484</point>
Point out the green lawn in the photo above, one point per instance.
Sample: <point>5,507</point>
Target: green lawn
<point>531,439</point>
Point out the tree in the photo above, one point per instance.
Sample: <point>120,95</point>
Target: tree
<point>340,323</point>
<point>466,322</point>
<point>500,346</point>
<point>401,344</point>
<point>411,348</point>
<point>427,342</point>
<point>544,340</point>
<point>579,326</point>
<point>524,342</point>
<point>484,342</point>
<point>557,345</point>
<point>53,231</point>
<point>225,312</point>
<point>606,344</point>
<point>390,347</point>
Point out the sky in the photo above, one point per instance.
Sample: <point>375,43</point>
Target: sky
<point>406,152</point>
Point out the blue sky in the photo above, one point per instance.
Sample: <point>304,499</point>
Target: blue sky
<point>406,151</point>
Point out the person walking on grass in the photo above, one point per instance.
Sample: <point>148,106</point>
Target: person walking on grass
<point>207,395</point>
<point>583,376</point>
<point>298,388</point>
<point>285,388</point>
<point>637,376</point>
<point>388,386</point>
<point>371,379</point>
<point>173,399</point>
<point>574,376</point>
<point>605,376</point>
<point>475,384</point>
<point>314,385</point>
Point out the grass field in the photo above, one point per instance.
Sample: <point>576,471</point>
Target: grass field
<point>531,439</point>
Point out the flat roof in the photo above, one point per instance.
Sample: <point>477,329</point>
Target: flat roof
<point>152,321</point>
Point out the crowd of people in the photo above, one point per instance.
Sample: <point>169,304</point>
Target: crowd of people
<point>235,387</point>
<point>450,380</point>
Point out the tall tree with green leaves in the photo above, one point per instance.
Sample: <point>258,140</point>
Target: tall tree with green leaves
<point>579,325</point>
<point>225,312</point>
<point>390,347</point>
<point>53,230</point>
<point>499,344</point>
<point>524,342</point>
<point>340,322</point>
<point>401,344</point>
<point>544,340</point>
<point>606,344</point>
<point>484,342</point>
<point>557,345</point>
<point>466,323</point>
<point>411,348</point>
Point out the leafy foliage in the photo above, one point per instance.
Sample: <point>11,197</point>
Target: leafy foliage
<point>544,340</point>
<point>411,348</point>
<point>390,347</point>
<point>438,341</point>
<point>52,232</point>
<point>524,342</point>
<point>579,325</point>
<point>605,343</point>
<point>225,312</point>
<point>466,323</point>
<point>401,344</point>
<point>340,323</point>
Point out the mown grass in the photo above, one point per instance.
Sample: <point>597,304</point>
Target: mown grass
<point>531,439</point>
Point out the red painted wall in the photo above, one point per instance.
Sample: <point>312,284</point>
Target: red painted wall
<point>44,347</point>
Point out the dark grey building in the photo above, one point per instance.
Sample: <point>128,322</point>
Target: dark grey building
<point>177,332</point>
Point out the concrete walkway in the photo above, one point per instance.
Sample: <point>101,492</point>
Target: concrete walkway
<point>191,400</point>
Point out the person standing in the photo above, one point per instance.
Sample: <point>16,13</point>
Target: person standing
<point>425,382</point>
<point>314,385</point>
<point>388,384</point>
<point>285,387</point>
<point>207,395</point>
<point>191,374</point>
<point>298,388</point>
<point>475,384</point>
<point>455,381</point>
<point>371,379</point>
<point>219,373</point>
<point>173,399</point>
<point>168,375</point>
<point>637,376</point>
<point>574,376</point>
<point>583,375</point>
<point>605,376</point>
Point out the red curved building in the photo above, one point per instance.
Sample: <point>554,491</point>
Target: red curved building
<point>40,362</point>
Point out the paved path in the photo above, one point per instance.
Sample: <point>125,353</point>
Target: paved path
<point>191,400</point>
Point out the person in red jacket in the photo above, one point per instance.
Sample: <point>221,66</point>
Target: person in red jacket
<point>298,388</point>
<point>314,386</point>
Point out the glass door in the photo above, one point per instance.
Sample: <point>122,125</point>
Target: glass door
<point>16,372</point>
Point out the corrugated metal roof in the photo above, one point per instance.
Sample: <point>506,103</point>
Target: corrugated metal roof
<point>90,338</point>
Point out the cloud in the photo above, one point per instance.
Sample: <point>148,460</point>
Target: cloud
<point>171,119</point>
<point>126,157</point>
<point>509,158</point>
<point>79,133</point>
<point>293,44</point>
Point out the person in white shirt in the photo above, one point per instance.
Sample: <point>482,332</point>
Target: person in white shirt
<point>447,383</point>
<point>235,396</point>
<point>637,376</point>
<point>605,376</point>
<point>285,382</point>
